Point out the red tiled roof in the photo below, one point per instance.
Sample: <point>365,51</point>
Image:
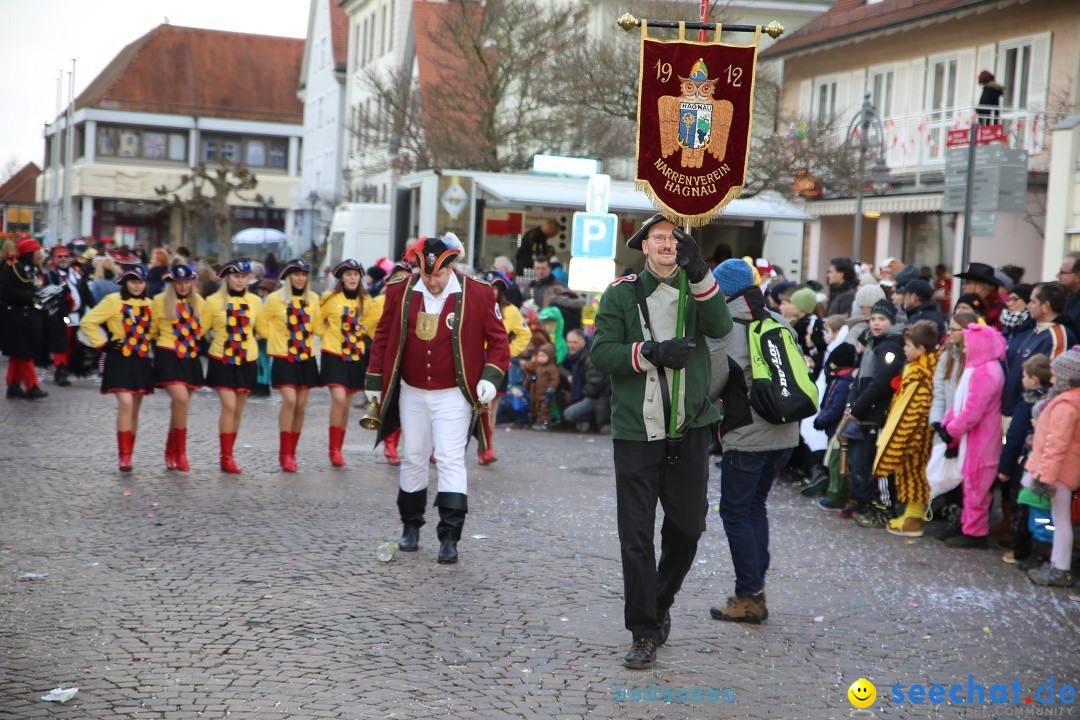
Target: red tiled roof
<point>212,73</point>
<point>848,18</point>
<point>19,188</point>
<point>339,35</point>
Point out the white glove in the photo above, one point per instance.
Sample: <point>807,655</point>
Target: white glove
<point>485,391</point>
<point>374,395</point>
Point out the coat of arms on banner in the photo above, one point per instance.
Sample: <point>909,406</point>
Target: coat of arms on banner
<point>695,101</point>
<point>695,121</point>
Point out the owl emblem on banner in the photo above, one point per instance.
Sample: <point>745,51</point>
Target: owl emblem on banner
<point>695,122</point>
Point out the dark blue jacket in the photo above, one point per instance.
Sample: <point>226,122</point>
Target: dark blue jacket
<point>882,361</point>
<point>1020,428</point>
<point>929,310</point>
<point>831,410</point>
<point>1051,342</point>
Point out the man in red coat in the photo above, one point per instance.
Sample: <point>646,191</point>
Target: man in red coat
<point>428,319</point>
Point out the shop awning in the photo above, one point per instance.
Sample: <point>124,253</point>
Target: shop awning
<point>569,193</point>
<point>884,204</point>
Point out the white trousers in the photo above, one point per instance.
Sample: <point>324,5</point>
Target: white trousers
<point>433,419</point>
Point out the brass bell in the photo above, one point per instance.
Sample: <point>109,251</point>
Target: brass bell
<point>371,420</point>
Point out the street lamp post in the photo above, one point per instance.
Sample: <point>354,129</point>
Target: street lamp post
<point>267,203</point>
<point>312,198</point>
<point>866,119</point>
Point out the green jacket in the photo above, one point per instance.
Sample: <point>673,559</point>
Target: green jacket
<point>637,407</point>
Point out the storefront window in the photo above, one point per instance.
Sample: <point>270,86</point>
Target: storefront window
<point>928,239</point>
<point>177,147</point>
<point>106,141</point>
<point>154,145</point>
<point>256,153</point>
<point>129,144</point>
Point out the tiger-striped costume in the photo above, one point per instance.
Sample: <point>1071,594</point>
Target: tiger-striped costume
<point>904,444</point>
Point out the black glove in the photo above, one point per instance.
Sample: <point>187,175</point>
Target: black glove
<point>114,345</point>
<point>951,452</point>
<point>688,256</point>
<point>943,433</point>
<point>669,353</point>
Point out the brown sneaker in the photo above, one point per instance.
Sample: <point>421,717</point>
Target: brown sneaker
<point>746,608</point>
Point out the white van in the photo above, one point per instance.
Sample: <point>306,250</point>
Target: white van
<point>360,231</point>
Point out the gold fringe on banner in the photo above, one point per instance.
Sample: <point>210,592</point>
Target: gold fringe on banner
<point>734,192</point>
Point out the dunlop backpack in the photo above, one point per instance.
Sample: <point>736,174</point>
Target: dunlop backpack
<point>781,390</point>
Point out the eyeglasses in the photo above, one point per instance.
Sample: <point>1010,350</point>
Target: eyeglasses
<point>1061,274</point>
<point>663,239</point>
<point>952,329</point>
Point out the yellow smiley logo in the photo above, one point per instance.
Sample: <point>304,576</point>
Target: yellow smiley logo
<point>862,693</point>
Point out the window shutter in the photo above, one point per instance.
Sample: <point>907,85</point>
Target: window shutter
<point>987,61</point>
<point>806,98</point>
<point>965,83</point>
<point>1039,79</point>
<point>843,95</point>
<point>900,90</point>
<point>858,88</point>
<point>918,101</point>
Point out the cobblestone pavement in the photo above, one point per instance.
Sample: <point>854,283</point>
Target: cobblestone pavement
<point>201,595</point>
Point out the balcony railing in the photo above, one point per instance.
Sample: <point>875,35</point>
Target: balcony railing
<point>916,143</point>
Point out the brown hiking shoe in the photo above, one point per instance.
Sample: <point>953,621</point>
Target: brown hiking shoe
<point>746,608</point>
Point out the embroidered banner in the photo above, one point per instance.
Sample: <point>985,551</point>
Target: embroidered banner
<point>695,105</point>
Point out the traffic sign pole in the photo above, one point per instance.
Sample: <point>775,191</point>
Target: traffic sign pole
<point>969,196</point>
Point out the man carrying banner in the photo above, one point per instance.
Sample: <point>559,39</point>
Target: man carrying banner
<point>440,351</point>
<point>637,344</point>
<point>695,101</point>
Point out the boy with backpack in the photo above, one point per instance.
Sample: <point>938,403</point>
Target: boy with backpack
<point>754,451</point>
<point>882,361</point>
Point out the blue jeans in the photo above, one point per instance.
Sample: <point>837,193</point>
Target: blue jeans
<point>745,481</point>
<point>581,411</point>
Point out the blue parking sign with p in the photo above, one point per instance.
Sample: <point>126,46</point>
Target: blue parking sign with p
<point>593,235</point>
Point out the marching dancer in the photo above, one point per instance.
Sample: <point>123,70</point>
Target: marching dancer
<point>439,353</point>
<point>22,322</point>
<point>177,367</point>
<point>349,315</point>
<point>234,316</point>
<point>129,372</point>
<point>294,319</point>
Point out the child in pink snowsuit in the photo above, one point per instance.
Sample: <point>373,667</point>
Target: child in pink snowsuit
<point>975,421</point>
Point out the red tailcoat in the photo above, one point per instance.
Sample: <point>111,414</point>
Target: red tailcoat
<point>481,348</point>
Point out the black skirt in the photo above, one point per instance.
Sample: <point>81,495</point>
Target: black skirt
<point>335,372</point>
<point>172,370</point>
<point>238,378</point>
<point>130,373</point>
<point>300,375</point>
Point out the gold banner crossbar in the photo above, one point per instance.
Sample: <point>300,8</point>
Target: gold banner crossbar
<point>773,29</point>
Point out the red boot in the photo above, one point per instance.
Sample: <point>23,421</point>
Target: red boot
<point>486,457</point>
<point>180,449</point>
<point>125,443</point>
<point>337,438</point>
<point>293,442</point>
<point>170,450</point>
<point>228,462</point>
<point>285,456</point>
<point>390,443</point>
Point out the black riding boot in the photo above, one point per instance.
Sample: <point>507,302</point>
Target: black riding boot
<point>452,510</point>
<point>411,506</point>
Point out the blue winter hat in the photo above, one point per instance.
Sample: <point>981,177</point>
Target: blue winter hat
<point>733,275</point>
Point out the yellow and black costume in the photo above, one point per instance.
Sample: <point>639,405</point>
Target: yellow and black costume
<point>294,319</point>
<point>128,321</point>
<point>176,339</point>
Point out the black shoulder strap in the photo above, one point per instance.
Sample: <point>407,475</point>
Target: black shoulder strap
<point>643,305</point>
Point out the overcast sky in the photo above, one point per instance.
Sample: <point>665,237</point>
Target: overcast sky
<point>41,37</point>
